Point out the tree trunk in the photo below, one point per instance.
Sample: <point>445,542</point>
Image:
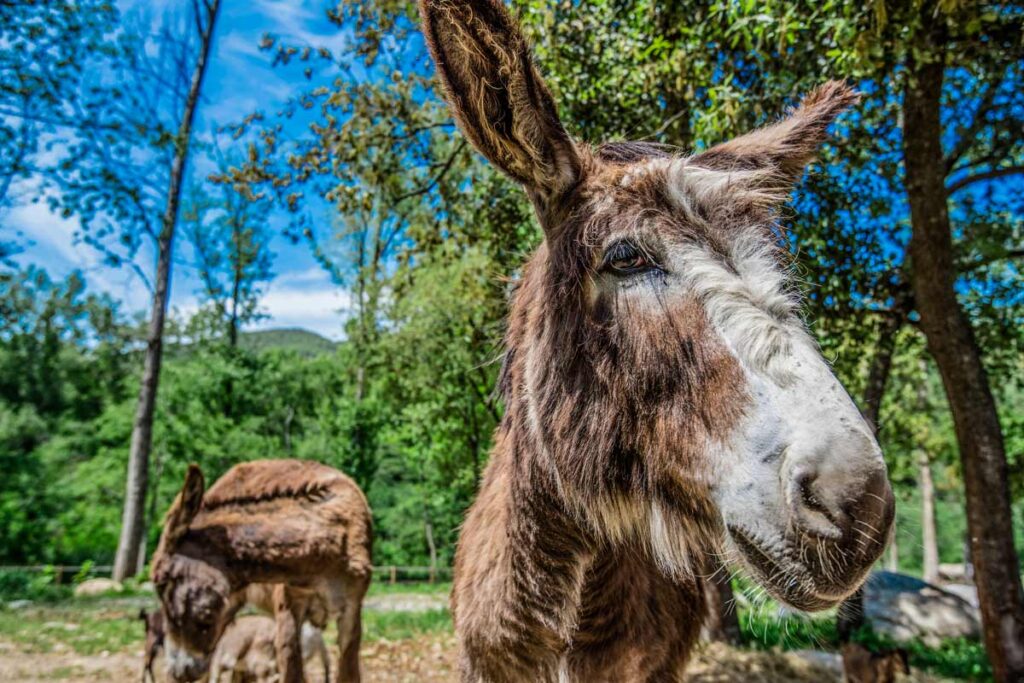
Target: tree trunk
<point>929,539</point>
<point>428,529</point>
<point>133,516</point>
<point>722,624</point>
<point>851,613</point>
<point>237,275</point>
<point>892,558</point>
<point>952,344</point>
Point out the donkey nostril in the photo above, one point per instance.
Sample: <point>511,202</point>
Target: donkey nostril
<point>812,514</point>
<point>810,501</point>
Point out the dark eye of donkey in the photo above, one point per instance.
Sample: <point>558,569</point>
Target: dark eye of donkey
<point>626,258</point>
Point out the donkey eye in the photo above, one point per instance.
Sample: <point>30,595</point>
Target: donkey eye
<point>625,258</point>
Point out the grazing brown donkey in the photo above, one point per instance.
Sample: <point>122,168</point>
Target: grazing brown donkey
<point>261,596</point>
<point>663,398</point>
<point>299,524</point>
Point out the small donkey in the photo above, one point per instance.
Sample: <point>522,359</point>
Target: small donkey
<point>663,398</point>
<point>247,648</point>
<point>259,595</point>
<point>299,524</point>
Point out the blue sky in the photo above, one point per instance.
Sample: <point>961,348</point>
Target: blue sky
<point>240,81</point>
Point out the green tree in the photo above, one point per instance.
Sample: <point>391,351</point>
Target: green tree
<point>230,239</point>
<point>64,359</point>
<point>48,48</point>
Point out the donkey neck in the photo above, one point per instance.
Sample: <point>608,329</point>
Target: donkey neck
<point>549,551</point>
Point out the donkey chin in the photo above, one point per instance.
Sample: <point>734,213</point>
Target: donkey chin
<point>184,665</point>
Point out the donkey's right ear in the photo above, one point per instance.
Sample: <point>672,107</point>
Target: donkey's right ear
<point>497,96</point>
<point>186,506</point>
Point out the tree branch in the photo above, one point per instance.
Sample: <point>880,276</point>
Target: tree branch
<point>1009,255</point>
<point>968,135</point>
<point>984,175</point>
<point>437,179</point>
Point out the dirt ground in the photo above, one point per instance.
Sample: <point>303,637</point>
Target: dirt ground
<point>426,659</point>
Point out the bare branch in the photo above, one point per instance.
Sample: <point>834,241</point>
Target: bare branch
<point>437,179</point>
<point>1010,254</point>
<point>984,175</point>
<point>967,136</point>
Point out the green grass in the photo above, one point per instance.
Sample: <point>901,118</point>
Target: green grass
<point>86,627</point>
<point>764,630</point>
<point>382,587</point>
<point>401,625</point>
<point>89,626</point>
<point>959,659</point>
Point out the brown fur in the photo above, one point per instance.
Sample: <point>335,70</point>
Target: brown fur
<point>259,595</point>
<point>302,525</point>
<point>609,408</point>
<point>861,665</point>
<point>154,624</point>
<point>247,650</point>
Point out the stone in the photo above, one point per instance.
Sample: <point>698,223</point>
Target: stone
<point>965,591</point>
<point>91,587</point>
<point>829,661</point>
<point>906,608</point>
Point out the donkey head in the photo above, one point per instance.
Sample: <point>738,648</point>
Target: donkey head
<point>657,362</point>
<point>194,592</point>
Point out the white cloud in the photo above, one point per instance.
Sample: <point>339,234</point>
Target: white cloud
<point>301,301</point>
<point>51,245</point>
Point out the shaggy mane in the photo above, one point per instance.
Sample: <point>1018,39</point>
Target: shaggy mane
<point>631,152</point>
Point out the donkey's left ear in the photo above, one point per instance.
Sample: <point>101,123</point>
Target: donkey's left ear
<point>497,96</point>
<point>185,507</point>
<point>780,153</point>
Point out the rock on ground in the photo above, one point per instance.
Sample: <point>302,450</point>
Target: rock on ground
<point>97,587</point>
<point>906,608</point>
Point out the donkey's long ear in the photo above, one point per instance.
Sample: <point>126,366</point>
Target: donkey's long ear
<point>779,153</point>
<point>184,508</point>
<point>499,100</point>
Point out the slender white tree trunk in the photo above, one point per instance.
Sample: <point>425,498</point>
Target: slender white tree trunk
<point>929,537</point>
<point>133,517</point>
<point>892,558</point>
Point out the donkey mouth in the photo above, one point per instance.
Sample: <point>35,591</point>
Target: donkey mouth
<point>786,580</point>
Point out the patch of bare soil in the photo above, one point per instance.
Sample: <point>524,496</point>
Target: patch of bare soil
<point>427,659</point>
<point>64,665</point>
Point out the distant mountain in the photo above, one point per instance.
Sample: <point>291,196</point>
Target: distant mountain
<point>296,339</point>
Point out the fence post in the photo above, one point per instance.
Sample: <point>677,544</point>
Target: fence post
<point>394,575</point>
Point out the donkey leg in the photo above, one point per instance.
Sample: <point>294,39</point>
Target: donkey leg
<point>350,631</point>
<point>325,658</point>
<point>288,637</point>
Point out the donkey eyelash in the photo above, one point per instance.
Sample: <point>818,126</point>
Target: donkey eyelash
<point>625,251</point>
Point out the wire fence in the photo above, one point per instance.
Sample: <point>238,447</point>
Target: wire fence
<point>393,574</point>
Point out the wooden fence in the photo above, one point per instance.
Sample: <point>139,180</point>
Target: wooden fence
<point>393,573</point>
